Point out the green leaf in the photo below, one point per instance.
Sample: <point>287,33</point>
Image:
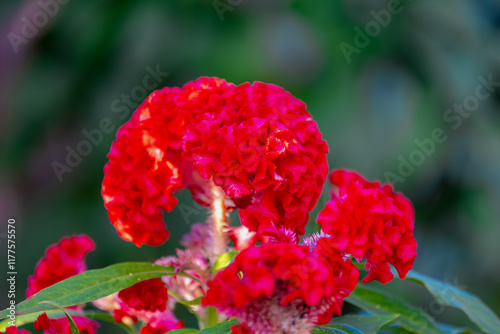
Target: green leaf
<point>222,328</point>
<point>92,285</point>
<point>366,324</point>
<point>449,295</point>
<point>410,318</point>
<point>72,325</point>
<point>336,329</point>
<point>184,331</point>
<point>224,260</point>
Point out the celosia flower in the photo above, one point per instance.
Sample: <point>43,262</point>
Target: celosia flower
<point>193,261</point>
<point>256,142</point>
<point>14,330</point>
<point>148,295</point>
<point>278,288</point>
<point>199,240</point>
<point>156,322</point>
<point>63,260</point>
<point>62,326</point>
<point>146,301</point>
<point>370,221</point>
<point>241,329</point>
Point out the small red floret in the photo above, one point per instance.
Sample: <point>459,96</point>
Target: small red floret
<point>370,221</point>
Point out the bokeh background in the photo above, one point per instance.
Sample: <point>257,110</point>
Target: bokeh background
<point>66,74</point>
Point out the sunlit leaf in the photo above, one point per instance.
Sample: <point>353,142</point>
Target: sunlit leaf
<point>92,285</point>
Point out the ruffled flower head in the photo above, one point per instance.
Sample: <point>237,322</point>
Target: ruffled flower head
<point>370,221</point>
<point>62,260</point>
<point>256,143</point>
<point>282,288</point>
<point>62,326</point>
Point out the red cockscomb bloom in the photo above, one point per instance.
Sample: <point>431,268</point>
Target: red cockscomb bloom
<point>14,330</point>
<point>241,329</point>
<point>62,260</point>
<point>148,295</point>
<point>62,326</point>
<point>257,143</point>
<point>368,220</point>
<point>278,288</point>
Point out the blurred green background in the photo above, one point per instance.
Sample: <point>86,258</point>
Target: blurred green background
<point>376,82</point>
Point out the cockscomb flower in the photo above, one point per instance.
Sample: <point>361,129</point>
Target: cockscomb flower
<point>146,301</point>
<point>282,288</point>
<point>241,329</point>
<point>62,260</point>
<point>194,261</point>
<point>370,221</point>
<point>62,326</point>
<point>155,322</point>
<point>252,147</point>
<point>148,295</point>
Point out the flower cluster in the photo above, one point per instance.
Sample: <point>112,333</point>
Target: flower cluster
<point>255,147</point>
<point>62,260</point>
<point>251,147</point>
<point>146,301</point>
<point>369,221</point>
<point>62,326</point>
<point>283,287</point>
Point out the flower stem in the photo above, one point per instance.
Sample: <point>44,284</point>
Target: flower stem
<point>219,222</point>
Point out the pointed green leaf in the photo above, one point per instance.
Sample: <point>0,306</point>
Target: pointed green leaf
<point>410,318</point>
<point>222,328</point>
<point>449,295</point>
<point>366,324</point>
<point>184,331</point>
<point>72,325</point>
<point>92,285</point>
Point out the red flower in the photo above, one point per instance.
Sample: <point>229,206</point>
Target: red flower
<point>62,260</point>
<point>62,326</point>
<point>145,165</point>
<point>14,330</point>
<point>368,220</point>
<point>265,151</point>
<point>148,295</point>
<point>241,329</point>
<point>256,142</point>
<point>279,288</point>
<point>161,323</point>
